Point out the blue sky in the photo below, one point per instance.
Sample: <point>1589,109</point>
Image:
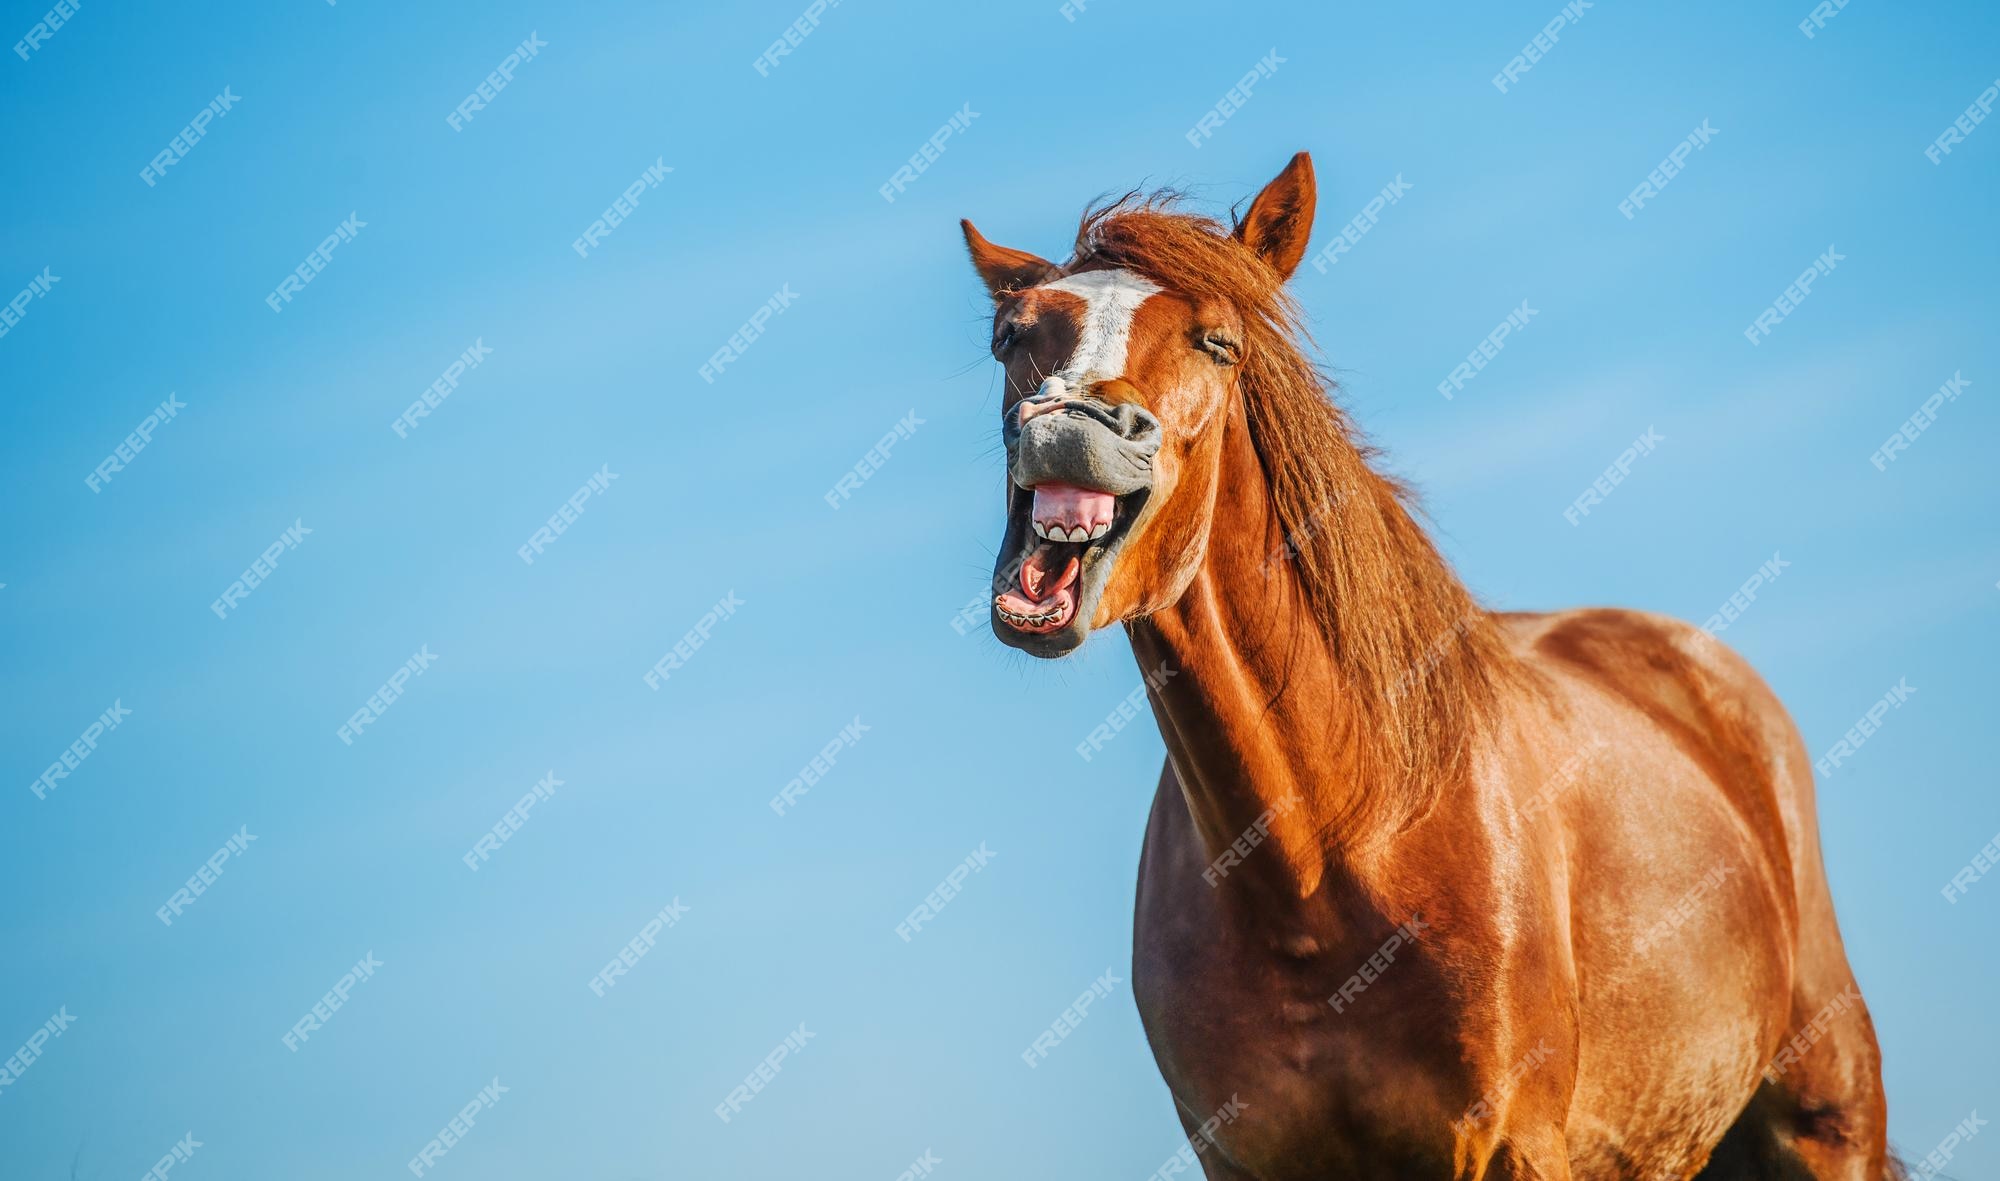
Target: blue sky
<point>847,614</point>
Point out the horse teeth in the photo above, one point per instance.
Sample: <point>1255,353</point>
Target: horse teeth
<point>1057,531</point>
<point>1027,620</point>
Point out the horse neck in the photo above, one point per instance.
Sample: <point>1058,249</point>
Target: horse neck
<point>1251,703</point>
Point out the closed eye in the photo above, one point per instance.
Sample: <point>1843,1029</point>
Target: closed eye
<point>1218,346</point>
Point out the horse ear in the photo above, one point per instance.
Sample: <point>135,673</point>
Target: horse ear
<point>1280,220</point>
<point>1003,268</point>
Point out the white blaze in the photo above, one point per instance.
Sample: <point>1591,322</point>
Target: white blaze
<point>1110,299</point>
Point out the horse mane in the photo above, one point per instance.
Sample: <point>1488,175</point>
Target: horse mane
<point>1424,662</point>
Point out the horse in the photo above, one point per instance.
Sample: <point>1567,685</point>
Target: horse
<point>1427,890</point>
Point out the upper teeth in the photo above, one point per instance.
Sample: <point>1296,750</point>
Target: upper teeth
<point>1056,531</point>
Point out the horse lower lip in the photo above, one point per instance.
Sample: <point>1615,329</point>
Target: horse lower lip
<point>1035,618</point>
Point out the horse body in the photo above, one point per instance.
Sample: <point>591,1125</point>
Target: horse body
<point>1515,1033</point>
<point>1426,892</point>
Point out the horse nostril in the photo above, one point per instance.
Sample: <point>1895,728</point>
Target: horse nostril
<point>1125,409</point>
<point>1036,406</point>
<point>1135,424</point>
<point>1050,396</point>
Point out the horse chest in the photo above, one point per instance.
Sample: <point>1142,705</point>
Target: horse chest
<point>1297,1086</point>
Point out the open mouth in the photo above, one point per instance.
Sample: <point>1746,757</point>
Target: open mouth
<point>1064,534</point>
<point>1079,474</point>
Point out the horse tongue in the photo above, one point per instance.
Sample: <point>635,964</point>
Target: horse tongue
<point>1036,580</point>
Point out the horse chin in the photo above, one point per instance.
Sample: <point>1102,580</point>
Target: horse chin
<point>1048,589</point>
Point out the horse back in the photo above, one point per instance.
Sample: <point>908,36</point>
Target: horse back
<point>1713,707</point>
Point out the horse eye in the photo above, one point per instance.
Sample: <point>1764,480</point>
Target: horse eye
<point>1006,337</point>
<point>1219,347</point>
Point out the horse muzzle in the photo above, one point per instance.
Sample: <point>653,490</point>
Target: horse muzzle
<point>1088,442</point>
<point>1078,470</point>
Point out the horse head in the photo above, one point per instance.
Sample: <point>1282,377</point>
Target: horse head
<point>1123,367</point>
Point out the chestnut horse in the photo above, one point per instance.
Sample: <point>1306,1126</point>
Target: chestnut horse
<point>1427,891</point>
